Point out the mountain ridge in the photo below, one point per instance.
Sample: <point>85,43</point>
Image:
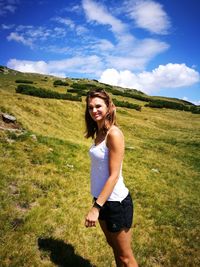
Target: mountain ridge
<point>7,71</point>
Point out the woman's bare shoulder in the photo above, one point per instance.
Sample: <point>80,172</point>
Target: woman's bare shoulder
<point>115,135</point>
<point>115,131</point>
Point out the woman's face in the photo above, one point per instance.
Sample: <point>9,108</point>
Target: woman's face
<point>97,109</point>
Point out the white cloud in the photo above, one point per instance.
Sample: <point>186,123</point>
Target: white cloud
<point>126,62</point>
<point>75,8</point>
<point>8,6</point>
<point>59,74</point>
<point>72,8</point>
<point>165,76</point>
<point>79,65</point>
<point>28,66</point>
<point>197,102</point>
<point>13,36</point>
<point>68,22</point>
<point>126,51</point>
<point>135,54</point>
<point>121,49</point>
<point>149,15</point>
<point>33,36</point>
<point>149,48</point>
<point>81,30</point>
<point>58,32</point>
<point>102,45</point>
<point>58,50</point>
<point>97,12</point>
<point>7,27</point>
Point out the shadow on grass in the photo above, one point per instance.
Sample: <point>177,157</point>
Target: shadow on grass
<point>62,254</point>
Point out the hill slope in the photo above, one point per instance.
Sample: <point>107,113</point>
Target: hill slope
<point>45,181</point>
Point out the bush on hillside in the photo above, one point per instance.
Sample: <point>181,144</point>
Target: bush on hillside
<point>77,91</point>
<point>108,89</point>
<point>138,96</point>
<point>126,104</point>
<point>183,101</point>
<point>79,86</point>
<point>1,68</point>
<point>45,79</point>
<point>82,93</point>
<point>132,91</point>
<point>24,81</point>
<point>195,109</point>
<point>43,93</point>
<point>60,82</point>
<point>91,85</point>
<point>157,103</point>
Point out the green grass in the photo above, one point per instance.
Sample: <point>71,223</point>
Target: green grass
<point>45,191</point>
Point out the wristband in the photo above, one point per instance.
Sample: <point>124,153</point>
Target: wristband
<point>96,205</point>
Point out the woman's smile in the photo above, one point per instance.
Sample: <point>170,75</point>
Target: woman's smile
<point>97,115</point>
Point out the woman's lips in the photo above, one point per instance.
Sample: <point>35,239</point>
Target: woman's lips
<point>96,116</point>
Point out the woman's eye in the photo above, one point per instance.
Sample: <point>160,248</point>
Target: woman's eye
<point>91,108</point>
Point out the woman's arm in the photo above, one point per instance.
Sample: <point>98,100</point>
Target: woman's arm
<point>115,143</point>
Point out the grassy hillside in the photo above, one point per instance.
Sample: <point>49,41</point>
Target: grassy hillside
<point>44,181</point>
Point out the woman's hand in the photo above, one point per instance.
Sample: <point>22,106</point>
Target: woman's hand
<point>92,217</point>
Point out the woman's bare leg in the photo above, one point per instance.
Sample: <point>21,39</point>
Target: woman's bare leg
<point>110,242</point>
<point>121,245</point>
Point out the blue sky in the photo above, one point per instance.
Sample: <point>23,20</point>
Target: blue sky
<point>150,45</point>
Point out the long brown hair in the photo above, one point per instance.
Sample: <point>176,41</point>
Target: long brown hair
<point>110,119</point>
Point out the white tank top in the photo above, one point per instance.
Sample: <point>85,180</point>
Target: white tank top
<point>100,173</point>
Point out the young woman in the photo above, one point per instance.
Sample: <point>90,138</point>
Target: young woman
<point>113,205</point>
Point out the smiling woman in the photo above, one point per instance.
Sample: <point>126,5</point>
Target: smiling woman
<point>113,205</point>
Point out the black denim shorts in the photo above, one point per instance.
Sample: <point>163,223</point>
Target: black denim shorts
<point>117,215</point>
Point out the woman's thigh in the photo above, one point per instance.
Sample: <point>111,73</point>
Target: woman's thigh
<point>120,241</point>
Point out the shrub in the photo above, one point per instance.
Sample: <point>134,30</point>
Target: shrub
<point>45,79</point>
<point>195,109</point>
<point>126,104</point>
<point>91,85</point>
<point>139,95</point>
<point>132,91</point>
<point>157,103</point>
<point>109,89</point>
<point>82,93</point>
<point>60,82</point>
<point>79,86</point>
<point>24,81</point>
<point>43,93</point>
<point>77,91</point>
<point>72,90</point>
